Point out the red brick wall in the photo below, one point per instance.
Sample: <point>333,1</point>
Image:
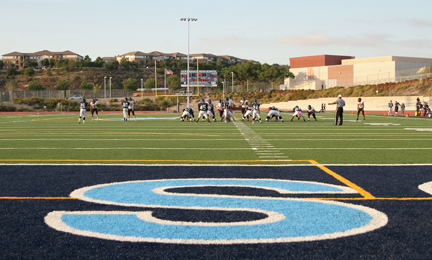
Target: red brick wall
<point>317,61</point>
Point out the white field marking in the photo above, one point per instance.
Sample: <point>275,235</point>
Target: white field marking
<point>222,165</point>
<point>206,134</point>
<point>420,129</point>
<point>140,118</point>
<point>383,124</point>
<point>426,187</point>
<point>255,141</point>
<point>228,148</point>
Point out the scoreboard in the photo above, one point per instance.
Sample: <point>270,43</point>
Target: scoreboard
<point>205,78</point>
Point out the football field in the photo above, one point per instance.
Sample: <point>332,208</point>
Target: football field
<point>158,188</point>
<point>162,139</point>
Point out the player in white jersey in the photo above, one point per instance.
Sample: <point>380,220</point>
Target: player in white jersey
<point>311,111</point>
<point>131,108</point>
<point>297,112</point>
<point>273,112</point>
<point>228,115</point>
<point>82,105</point>
<point>244,106</point>
<point>390,108</point>
<point>248,113</point>
<point>360,108</point>
<point>186,114</point>
<point>125,106</point>
<point>256,111</point>
<point>202,107</point>
<point>94,108</point>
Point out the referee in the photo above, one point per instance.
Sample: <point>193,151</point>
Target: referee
<point>340,103</point>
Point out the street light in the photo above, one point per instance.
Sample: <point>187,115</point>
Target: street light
<point>105,87</point>
<point>188,20</point>
<point>232,81</point>
<point>110,86</point>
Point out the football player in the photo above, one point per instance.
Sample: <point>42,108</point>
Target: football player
<point>311,111</point>
<point>255,111</point>
<point>297,112</point>
<point>131,108</point>
<point>273,112</point>
<point>244,106</point>
<point>228,110</point>
<point>360,108</point>
<point>247,114</point>
<point>202,107</point>
<point>125,106</point>
<point>210,110</point>
<point>94,108</point>
<point>82,105</point>
<point>220,107</point>
<point>186,114</point>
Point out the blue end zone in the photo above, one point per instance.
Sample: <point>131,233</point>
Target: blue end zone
<point>406,235</point>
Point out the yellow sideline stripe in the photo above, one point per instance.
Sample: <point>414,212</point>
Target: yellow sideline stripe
<point>72,198</point>
<point>353,186</point>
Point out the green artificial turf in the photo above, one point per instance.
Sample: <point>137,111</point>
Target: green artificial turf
<point>162,139</point>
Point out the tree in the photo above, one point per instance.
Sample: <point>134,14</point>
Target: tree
<point>274,74</point>
<point>130,84</point>
<point>28,72</point>
<point>11,72</point>
<point>150,83</point>
<point>52,62</point>
<point>1,64</point>
<point>86,86</point>
<point>34,85</point>
<point>87,58</point>
<point>99,62</point>
<point>45,62</point>
<point>63,85</point>
<point>173,82</point>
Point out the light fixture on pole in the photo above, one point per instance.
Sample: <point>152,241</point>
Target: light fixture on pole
<point>188,20</point>
<point>105,87</point>
<point>110,86</point>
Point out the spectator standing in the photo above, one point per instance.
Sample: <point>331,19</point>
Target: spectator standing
<point>396,107</point>
<point>340,103</point>
<point>418,107</point>
<point>403,108</point>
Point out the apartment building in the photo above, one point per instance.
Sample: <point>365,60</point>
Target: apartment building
<point>16,59</point>
<point>148,58</point>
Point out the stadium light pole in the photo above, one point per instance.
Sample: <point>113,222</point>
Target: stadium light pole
<point>188,20</point>
<point>105,87</point>
<point>232,81</point>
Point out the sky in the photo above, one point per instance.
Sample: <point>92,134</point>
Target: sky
<point>268,31</point>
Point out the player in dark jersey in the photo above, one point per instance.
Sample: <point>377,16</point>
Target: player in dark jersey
<point>256,111</point>
<point>220,107</point>
<point>210,110</point>
<point>125,106</point>
<point>82,105</point>
<point>202,107</point>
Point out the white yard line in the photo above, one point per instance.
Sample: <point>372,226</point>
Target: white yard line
<point>257,143</point>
